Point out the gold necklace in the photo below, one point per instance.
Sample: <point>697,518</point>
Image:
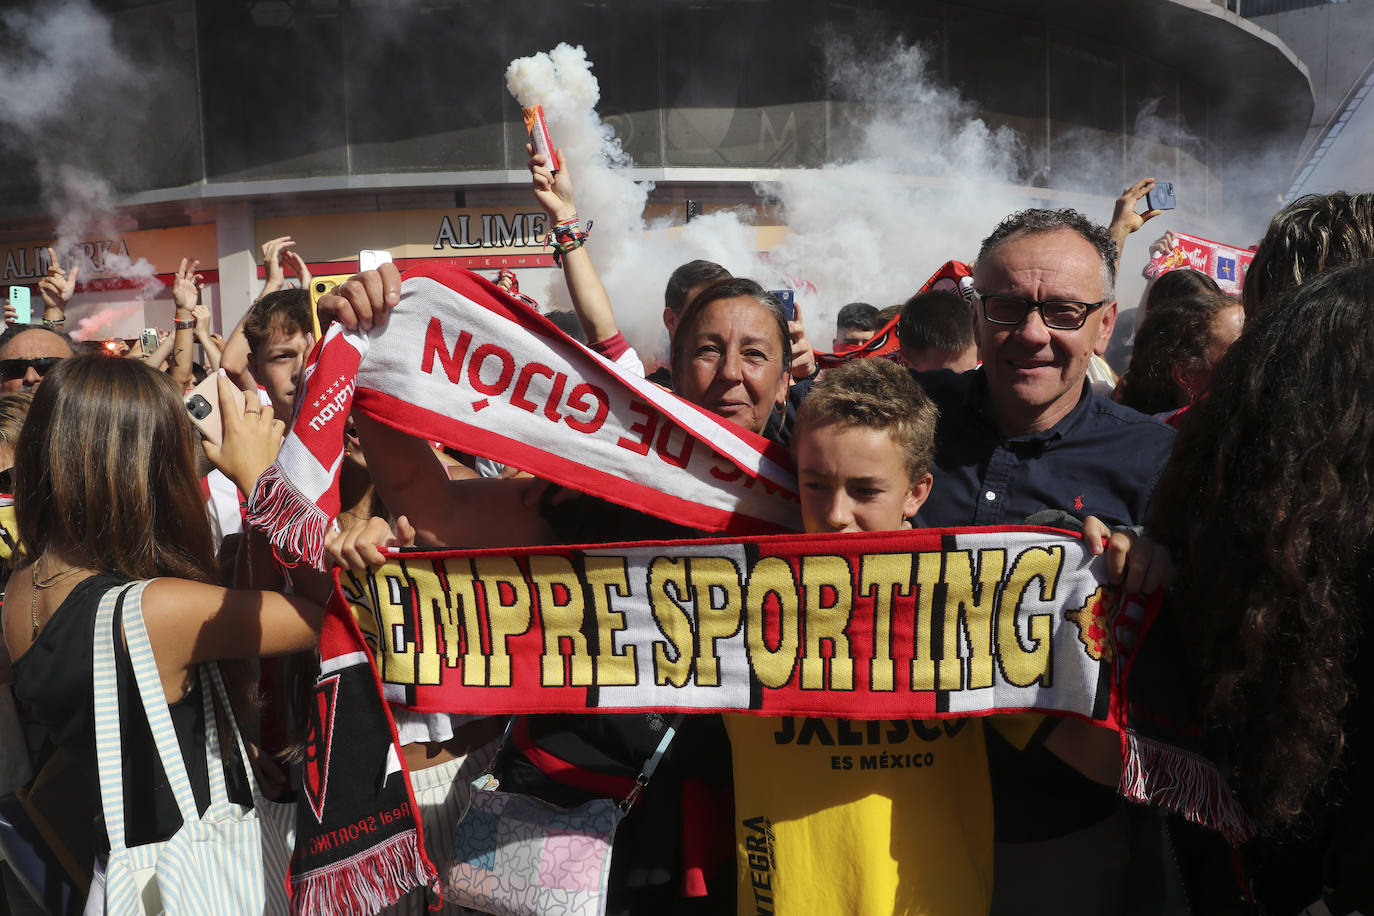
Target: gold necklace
<point>45,583</point>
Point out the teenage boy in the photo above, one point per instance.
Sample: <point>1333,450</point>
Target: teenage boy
<point>278,330</point>
<point>847,839</point>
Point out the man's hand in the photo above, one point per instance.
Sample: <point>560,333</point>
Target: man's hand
<point>363,300</point>
<point>1125,219</point>
<point>251,441</point>
<point>554,192</point>
<point>186,286</point>
<point>1136,562</point>
<point>803,356</point>
<point>58,287</point>
<point>359,545</point>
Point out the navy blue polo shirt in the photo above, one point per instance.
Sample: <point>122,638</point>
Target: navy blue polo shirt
<point>1102,459</point>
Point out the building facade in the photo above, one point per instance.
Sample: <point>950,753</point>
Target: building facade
<point>352,124</point>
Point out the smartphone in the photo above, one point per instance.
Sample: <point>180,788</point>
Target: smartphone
<point>371,259</point>
<point>1161,196</point>
<point>202,403</point>
<point>19,298</point>
<point>148,339</point>
<point>788,299</point>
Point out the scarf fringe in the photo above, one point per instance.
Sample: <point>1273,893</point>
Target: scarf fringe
<point>291,521</point>
<point>1185,783</point>
<point>366,883</point>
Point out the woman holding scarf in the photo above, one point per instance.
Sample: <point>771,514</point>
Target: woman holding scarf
<point>730,355</point>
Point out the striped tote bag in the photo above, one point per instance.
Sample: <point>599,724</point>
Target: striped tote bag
<point>231,860</point>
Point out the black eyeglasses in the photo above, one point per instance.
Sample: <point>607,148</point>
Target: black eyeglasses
<point>1058,314</point>
<point>11,369</point>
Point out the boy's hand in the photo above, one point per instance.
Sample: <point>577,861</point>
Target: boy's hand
<point>1136,562</point>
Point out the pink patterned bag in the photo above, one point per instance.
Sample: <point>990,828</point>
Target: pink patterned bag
<point>516,855</point>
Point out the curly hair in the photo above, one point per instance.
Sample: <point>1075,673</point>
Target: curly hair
<point>1036,222</point>
<point>1174,331</point>
<point>1311,235</point>
<point>1270,497</point>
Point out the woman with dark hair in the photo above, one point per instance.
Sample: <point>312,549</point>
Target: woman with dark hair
<point>1269,499</point>
<point>732,361</point>
<point>730,354</point>
<point>1176,349</point>
<point>106,493</point>
<point>1179,284</point>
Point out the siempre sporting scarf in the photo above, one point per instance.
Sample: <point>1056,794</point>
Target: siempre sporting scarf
<point>887,625</point>
<point>953,276</point>
<point>461,362</point>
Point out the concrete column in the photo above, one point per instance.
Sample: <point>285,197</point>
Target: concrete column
<point>238,263</point>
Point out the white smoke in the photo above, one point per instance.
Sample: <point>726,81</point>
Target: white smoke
<point>923,180</point>
<point>60,67</point>
<point>925,184</point>
<point>85,209</point>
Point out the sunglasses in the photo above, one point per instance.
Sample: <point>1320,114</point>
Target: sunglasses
<point>7,481</point>
<point>11,369</point>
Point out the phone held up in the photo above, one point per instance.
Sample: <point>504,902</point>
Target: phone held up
<point>788,300</point>
<point>371,259</point>
<point>20,299</point>
<point>202,402</point>
<point>148,339</point>
<point>1161,196</point>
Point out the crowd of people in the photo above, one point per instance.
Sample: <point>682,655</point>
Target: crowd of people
<point>1228,465</point>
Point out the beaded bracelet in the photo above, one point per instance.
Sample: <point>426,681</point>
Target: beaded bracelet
<point>568,235</point>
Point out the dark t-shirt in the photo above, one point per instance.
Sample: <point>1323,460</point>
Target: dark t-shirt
<point>53,681</point>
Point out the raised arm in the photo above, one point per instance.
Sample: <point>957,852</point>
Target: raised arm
<point>185,292</point>
<point>202,332</point>
<point>160,353</point>
<point>589,299</point>
<point>1125,219</point>
<point>190,622</point>
<point>478,512</point>
<point>57,289</point>
<point>272,250</point>
<point>408,476</point>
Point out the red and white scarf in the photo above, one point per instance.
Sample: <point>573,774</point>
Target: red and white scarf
<point>461,362</point>
<point>935,623</point>
<point>953,276</point>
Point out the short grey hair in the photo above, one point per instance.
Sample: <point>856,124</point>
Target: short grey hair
<point>1036,221</point>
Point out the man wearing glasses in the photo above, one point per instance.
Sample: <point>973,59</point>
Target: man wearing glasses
<point>1022,434</point>
<point>27,353</point>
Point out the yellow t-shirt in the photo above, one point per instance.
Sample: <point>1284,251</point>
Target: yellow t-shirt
<point>859,817</point>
